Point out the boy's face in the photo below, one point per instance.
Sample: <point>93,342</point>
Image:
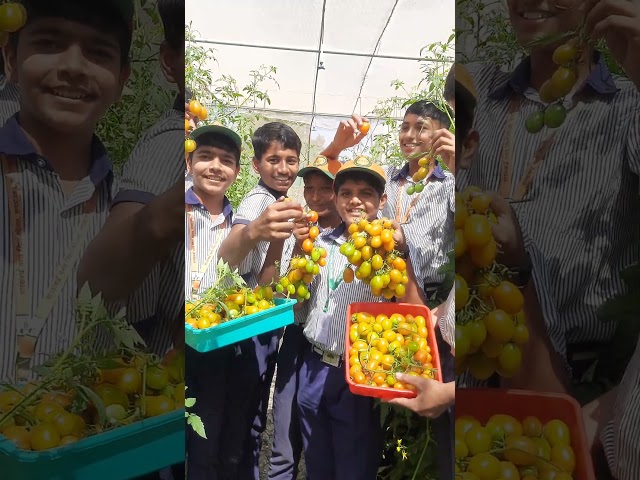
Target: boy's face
<point>213,169</point>
<point>69,73</point>
<point>416,134</point>
<point>172,63</point>
<point>531,19</point>
<point>278,167</point>
<point>356,198</point>
<point>318,194</point>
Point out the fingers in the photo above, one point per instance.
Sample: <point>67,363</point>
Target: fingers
<point>608,15</point>
<point>409,403</point>
<point>499,205</point>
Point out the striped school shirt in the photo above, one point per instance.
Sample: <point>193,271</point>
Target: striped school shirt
<point>621,437</point>
<point>582,211</point>
<point>155,165</point>
<point>253,204</point>
<point>209,234</point>
<point>429,227</point>
<point>447,321</point>
<point>327,308</point>
<point>52,222</point>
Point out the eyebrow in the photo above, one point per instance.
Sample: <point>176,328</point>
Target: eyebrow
<point>97,38</point>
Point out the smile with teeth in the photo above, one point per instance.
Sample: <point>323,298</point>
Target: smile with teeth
<point>213,178</point>
<point>69,93</point>
<point>412,144</point>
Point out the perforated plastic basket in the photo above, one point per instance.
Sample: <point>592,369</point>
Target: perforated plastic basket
<point>388,309</point>
<point>243,328</point>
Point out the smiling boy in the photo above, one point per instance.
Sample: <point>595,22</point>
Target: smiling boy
<point>261,226</point>
<point>70,61</point>
<point>341,431</point>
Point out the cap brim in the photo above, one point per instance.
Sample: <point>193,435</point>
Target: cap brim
<point>302,172</point>
<point>366,171</point>
<point>218,130</point>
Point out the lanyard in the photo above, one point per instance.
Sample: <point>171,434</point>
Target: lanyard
<point>30,323</point>
<point>333,281</point>
<point>198,273</point>
<point>506,167</point>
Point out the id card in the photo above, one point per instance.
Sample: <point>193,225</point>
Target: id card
<point>331,359</point>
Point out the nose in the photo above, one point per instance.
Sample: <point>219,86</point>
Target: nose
<point>72,60</point>
<point>282,168</point>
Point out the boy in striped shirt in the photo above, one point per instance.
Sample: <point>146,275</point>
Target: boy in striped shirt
<point>54,168</point>
<point>341,431</point>
<point>262,225</point>
<point>214,166</point>
<point>287,438</point>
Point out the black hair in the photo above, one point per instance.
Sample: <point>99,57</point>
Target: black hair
<point>172,15</point>
<point>465,114</point>
<point>216,140</point>
<point>426,109</point>
<point>359,176</point>
<point>103,16</point>
<point>273,132</point>
<point>450,85</point>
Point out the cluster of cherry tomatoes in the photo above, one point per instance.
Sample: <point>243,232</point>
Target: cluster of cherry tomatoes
<point>566,56</point>
<point>238,302</point>
<point>126,393</point>
<point>490,322</point>
<point>506,448</point>
<point>371,250</point>
<point>303,268</point>
<point>13,16</point>
<point>420,175</point>
<point>199,111</point>
<point>381,346</point>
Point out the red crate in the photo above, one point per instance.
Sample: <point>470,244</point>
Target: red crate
<point>482,403</point>
<point>389,308</point>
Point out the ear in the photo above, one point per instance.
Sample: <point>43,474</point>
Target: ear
<point>167,62</point>
<point>188,159</point>
<point>255,162</point>
<point>383,201</point>
<point>469,150</point>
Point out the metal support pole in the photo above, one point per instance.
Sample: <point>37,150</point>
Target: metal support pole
<point>328,52</point>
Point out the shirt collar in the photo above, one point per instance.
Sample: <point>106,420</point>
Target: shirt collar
<point>274,193</point>
<point>336,233</point>
<point>438,172</point>
<point>600,79</point>
<point>14,142</point>
<point>190,198</point>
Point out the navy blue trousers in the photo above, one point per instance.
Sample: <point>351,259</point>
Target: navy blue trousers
<point>286,449</point>
<point>341,432</point>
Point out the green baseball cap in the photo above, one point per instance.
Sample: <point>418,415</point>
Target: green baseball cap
<point>217,129</point>
<point>324,165</point>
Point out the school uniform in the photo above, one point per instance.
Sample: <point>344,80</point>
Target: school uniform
<point>286,448</point>
<point>341,431</point>
<point>210,375</point>
<point>427,220</point>
<point>9,99</point>
<point>258,354</point>
<point>53,231</point>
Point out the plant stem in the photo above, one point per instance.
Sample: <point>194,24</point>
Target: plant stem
<point>424,450</point>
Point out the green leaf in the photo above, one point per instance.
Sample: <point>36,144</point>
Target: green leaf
<point>619,306</point>
<point>189,402</point>
<point>197,425</point>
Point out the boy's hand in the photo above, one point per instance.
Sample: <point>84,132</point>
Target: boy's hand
<point>301,230</point>
<point>399,238</point>
<point>507,232</point>
<point>444,144</point>
<point>277,222</point>
<point>190,117</point>
<point>433,397</point>
<point>618,22</point>
<point>347,136</point>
